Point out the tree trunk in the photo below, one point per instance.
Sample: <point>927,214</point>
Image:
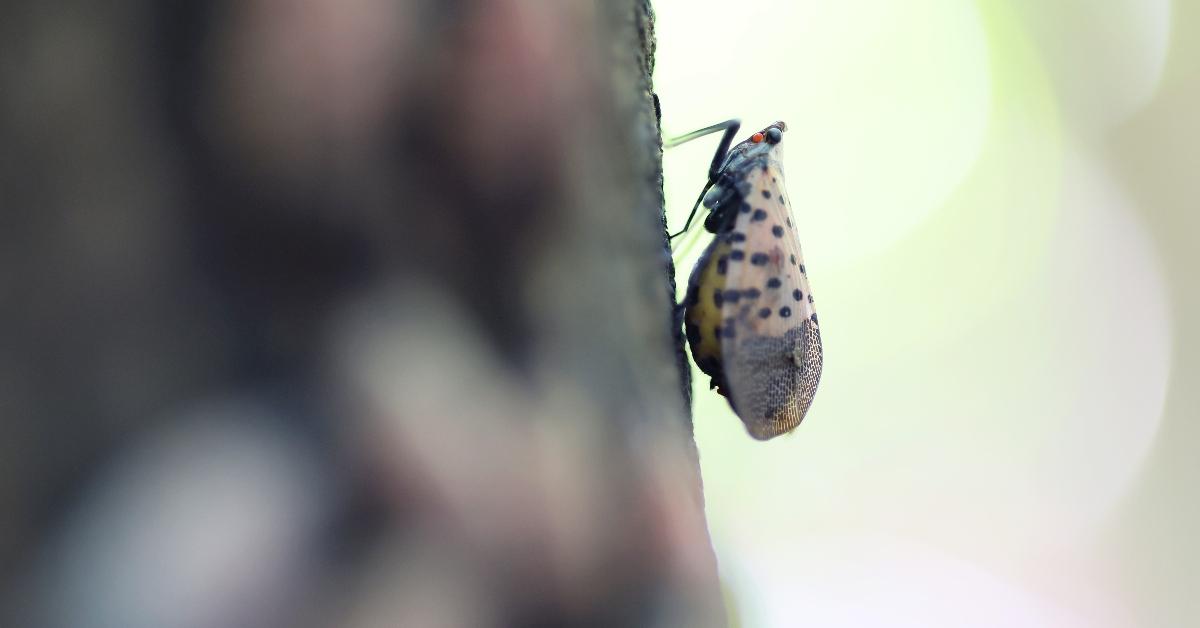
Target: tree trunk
<point>352,312</point>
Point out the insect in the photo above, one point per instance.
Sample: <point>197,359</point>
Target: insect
<point>748,312</point>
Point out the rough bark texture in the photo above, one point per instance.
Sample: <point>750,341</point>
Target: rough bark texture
<point>349,313</point>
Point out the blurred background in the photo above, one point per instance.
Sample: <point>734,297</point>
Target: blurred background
<point>356,313</point>
<point>999,217</point>
<point>348,313</point>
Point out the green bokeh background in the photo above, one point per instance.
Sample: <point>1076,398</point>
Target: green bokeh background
<point>998,208</point>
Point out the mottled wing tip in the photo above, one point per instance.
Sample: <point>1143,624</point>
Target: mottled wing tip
<point>784,421</point>
<point>776,380</point>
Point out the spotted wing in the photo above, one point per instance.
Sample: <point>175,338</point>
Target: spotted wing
<point>770,339</point>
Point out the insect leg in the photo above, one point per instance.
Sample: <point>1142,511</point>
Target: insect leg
<point>681,246</point>
<point>687,225</point>
<point>730,127</point>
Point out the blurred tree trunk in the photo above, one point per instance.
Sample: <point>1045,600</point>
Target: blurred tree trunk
<point>387,279</point>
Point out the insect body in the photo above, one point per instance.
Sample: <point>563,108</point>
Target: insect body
<point>749,313</point>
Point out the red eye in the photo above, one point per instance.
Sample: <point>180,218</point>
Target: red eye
<point>756,138</point>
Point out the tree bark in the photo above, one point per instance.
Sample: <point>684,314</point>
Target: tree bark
<point>350,313</point>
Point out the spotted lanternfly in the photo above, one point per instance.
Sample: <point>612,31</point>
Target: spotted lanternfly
<point>749,312</point>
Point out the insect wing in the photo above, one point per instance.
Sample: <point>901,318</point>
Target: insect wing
<point>770,339</point>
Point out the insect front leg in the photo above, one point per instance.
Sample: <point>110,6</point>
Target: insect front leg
<point>730,127</point>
